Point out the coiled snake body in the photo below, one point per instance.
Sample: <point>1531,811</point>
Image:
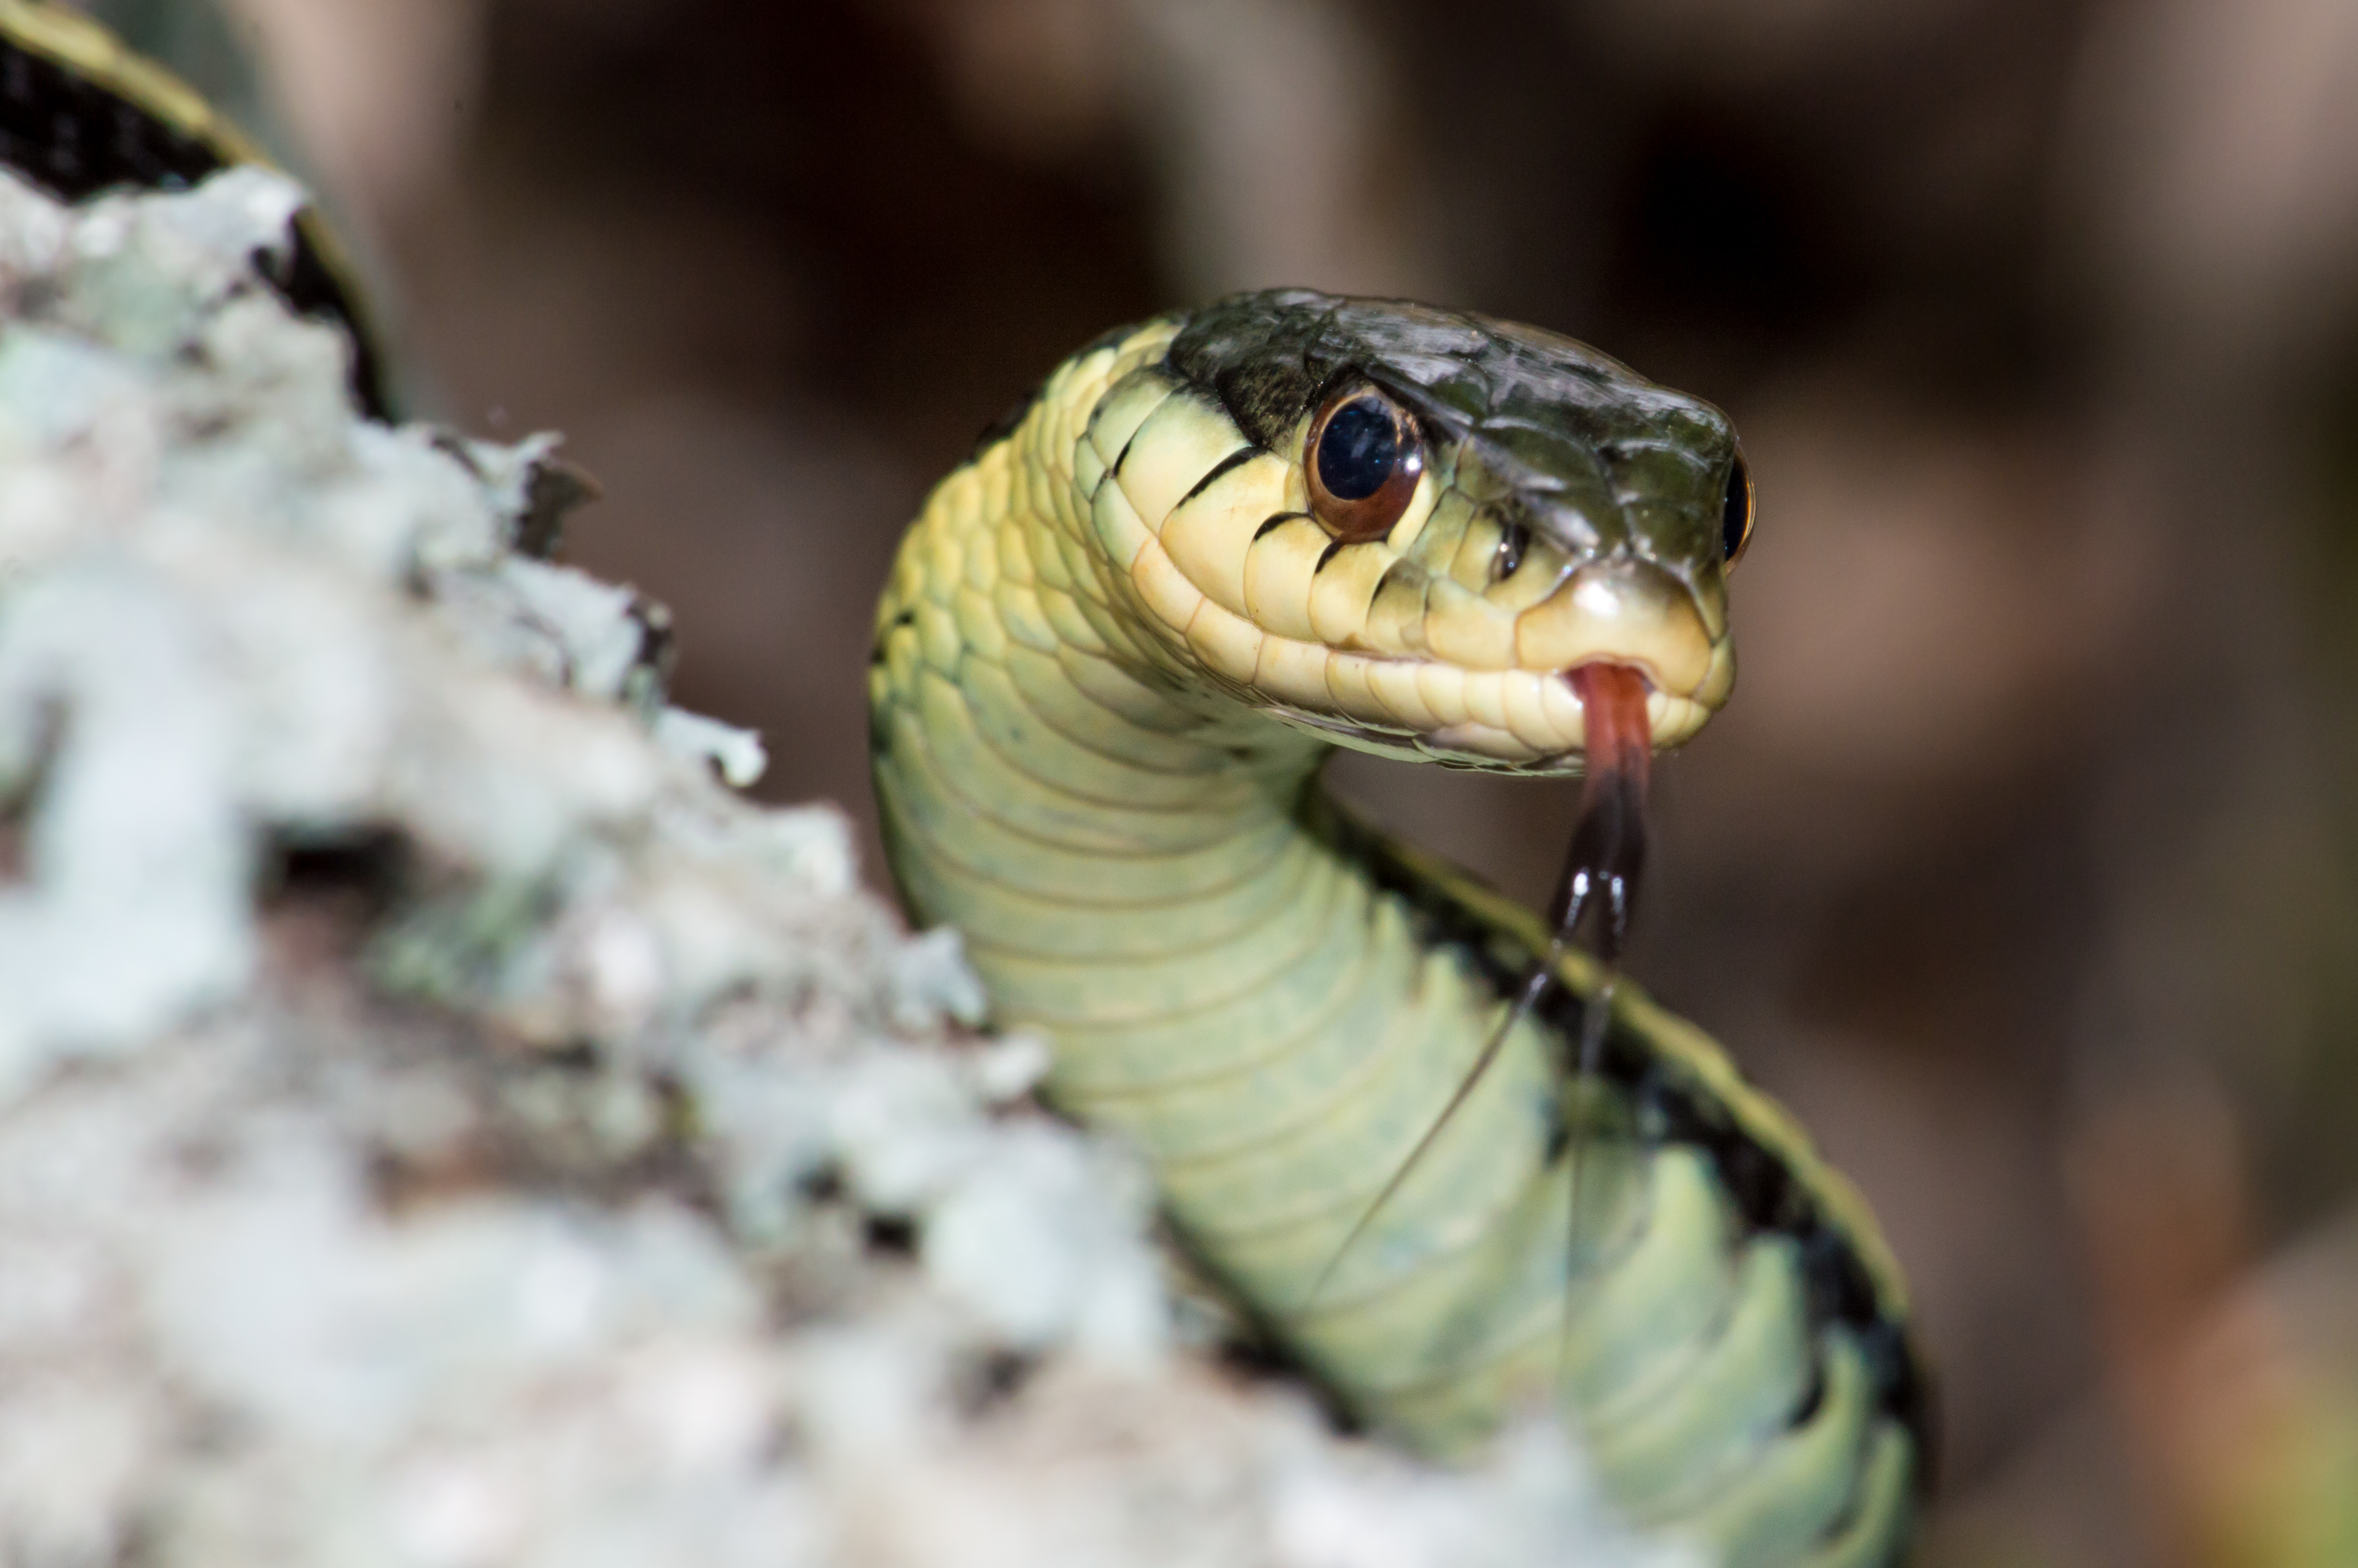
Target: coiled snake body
<point>1116,646</point>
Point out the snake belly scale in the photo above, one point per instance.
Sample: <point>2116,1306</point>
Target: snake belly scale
<point>1116,646</point>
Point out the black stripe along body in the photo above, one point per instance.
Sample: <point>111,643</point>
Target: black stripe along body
<point>80,116</point>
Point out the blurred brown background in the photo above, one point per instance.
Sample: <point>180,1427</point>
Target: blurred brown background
<point>2024,865</point>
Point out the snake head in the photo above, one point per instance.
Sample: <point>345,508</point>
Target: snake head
<point>1404,528</point>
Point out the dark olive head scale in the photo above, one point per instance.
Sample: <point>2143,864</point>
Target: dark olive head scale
<point>1576,445</point>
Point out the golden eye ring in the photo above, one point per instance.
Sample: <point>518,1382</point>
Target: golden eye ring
<point>1736,512</point>
<point>1363,457</point>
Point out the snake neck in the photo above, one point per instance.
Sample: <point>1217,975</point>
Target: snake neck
<point>1122,841</point>
<point>1047,765</point>
<point>1053,780</point>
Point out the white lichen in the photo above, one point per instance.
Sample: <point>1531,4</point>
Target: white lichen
<point>440,1125</point>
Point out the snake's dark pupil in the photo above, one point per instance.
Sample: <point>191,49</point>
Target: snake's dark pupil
<point>1357,450</point>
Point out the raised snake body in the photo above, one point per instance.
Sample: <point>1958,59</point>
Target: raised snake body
<point>1116,646</point>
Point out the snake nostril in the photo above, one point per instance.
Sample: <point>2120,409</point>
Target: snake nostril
<point>1514,542</point>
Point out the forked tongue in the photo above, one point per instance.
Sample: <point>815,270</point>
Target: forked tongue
<point>1608,843</point>
<point>1599,890</point>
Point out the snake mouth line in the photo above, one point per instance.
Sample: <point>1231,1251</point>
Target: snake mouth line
<point>1663,718</point>
<point>1619,691</point>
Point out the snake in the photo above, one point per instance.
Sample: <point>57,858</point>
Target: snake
<point>1115,649</point>
<point>1452,1166</point>
<point>81,114</point>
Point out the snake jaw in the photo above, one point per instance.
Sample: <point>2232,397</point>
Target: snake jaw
<point>1630,616</point>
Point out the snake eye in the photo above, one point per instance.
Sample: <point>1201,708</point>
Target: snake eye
<point>1736,512</point>
<point>1364,458</point>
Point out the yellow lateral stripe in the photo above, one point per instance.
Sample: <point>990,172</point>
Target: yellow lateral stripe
<point>91,52</point>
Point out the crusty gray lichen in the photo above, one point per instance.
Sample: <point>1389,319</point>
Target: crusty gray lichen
<point>441,1125</point>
